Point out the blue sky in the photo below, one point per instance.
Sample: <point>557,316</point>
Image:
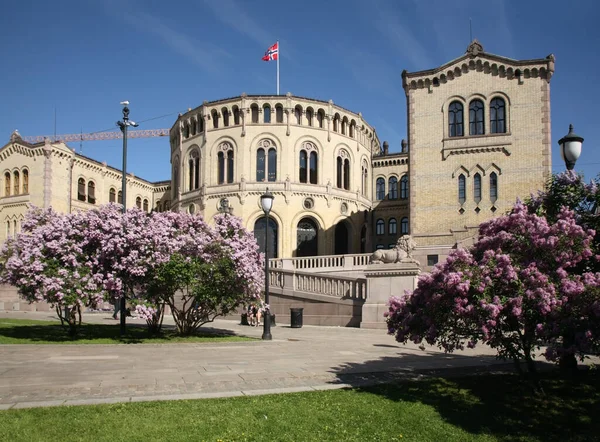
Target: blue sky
<point>83,58</point>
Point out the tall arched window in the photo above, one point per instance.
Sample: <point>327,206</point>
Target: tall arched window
<point>272,165</point>
<point>112,195</point>
<point>91,194</point>
<point>309,116</point>
<point>380,189</point>
<point>254,112</point>
<point>176,178</point>
<point>320,118</point>
<point>455,119</point>
<point>267,113</point>
<point>278,113</point>
<point>380,227</point>
<point>7,184</point>
<point>343,170</point>
<point>145,205</point>
<point>16,182</point>
<point>225,113</point>
<point>352,128</point>
<point>392,226</point>
<point>476,121</point>
<point>313,167</point>
<point>365,178</point>
<point>221,167</point>
<point>236,115</point>
<point>215,118</point>
<point>307,238</point>
<point>138,202</point>
<point>25,181</point>
<point>493,187</point>
<point>200,123</point>
<point>344,125</point>
<point>194,126</point>
<point>393,188</point>
<point>497,116</point>
<point>81,189</point>
<point>303,166</point>
<point>298,114</point>
<point>477,188</point>
<point>8,229</point>
<point>260,164</point>
<point>462,189</point>
<point>194,170</point>
<point>340,171</point>
<point>404,187</point>
<point>404,226</point>
<point>347,174</point>
<point>272,235</point>
<point>230,166</point>
<point>120,198</point>
<point>336,123</point>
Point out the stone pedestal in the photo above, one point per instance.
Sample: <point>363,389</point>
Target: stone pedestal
<point>384,281</point>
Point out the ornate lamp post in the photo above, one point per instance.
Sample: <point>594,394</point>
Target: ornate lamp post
<point>570,148</point>
<point>266,202</point>
<point>123,125</point>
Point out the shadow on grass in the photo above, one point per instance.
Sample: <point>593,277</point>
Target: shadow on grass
<point>490,399</point>
<point>29,332</point>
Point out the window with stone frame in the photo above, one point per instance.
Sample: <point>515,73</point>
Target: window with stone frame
<point>455,119</point>
<point>380,227</point>
<point>81,189</point>
<point>497,116</point>
<point>476,118</point>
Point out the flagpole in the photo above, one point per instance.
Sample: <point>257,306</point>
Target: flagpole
<point>278,57</point>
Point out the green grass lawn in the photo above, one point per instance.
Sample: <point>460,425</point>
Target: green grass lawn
<point>476,408</point>
<point>25,331</point>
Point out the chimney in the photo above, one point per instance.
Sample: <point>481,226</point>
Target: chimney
<point>404,146</point>
<point>386,147</point>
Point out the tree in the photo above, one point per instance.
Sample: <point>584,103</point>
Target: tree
<point>514,291</point>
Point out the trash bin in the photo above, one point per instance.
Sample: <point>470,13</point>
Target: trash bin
<point>296,317</point>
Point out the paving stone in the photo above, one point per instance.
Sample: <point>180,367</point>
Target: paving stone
<point>54,403</point>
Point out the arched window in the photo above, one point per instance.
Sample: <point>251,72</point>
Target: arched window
<point>380,227</point>
<point>215,118</point>
<point>380,189</point>
<point>81,189</point>
<point>345,126</point>
<point>455,119</point>
<point>138,202</point>
<point>392,226</point>
<point>120,198</point>
<point>404,187</point>
<point>272,166</point>
<point>365,178</point>
<point>145,205</point>
<point>336,123</point>
<point>477,188</point>
<point>493,187</point>
<point>267,113</point>
<point>347,174</point>
<point>176,178</point>
<point>167,205</point>
<point>91,194</point>
<point>313,166</point>
<point>230,166</point>
<point>320,118</point>
<point>476,121</point>
<point>352,128</point>
<point>260,164</point>
<point>7,184</point>
<point>194,170</point>
<point>8,229</point>
<point>309,116</point>
<point>225,113</point>
<point>393,188</point>
<point>343,170</point>
<point>236,115</point>
<point>25,181</point>
<point>340,171</point>
<point>186,130</point>
<point>112,195</point>
<point>194,126</point>
<point>279,113</point>
<point>221,166</point>
<point>254,112</point>
<point>307,239</point>
<point>404,226</point>
<point>272,235</point>
<point>298,114</point>
<point>16,183</point>
<point>200,123</point>
<point>497,116</point>
<point>303,166</point>
<point>462,189</point>
<point>15,228</point>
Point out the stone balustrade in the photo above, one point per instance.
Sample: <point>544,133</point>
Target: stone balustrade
<point>357,261</point>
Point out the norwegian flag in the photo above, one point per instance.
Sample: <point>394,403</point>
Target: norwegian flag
<point>272,53</point>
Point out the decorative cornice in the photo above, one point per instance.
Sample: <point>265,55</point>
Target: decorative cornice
<point>446,152</point>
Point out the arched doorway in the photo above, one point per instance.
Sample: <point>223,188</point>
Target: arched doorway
<point>341,239</point>
<point>363,240</point>
<point>259,234</point>
<point>307,238</point>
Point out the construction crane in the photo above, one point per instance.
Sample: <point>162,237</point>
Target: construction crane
<point>98,136</point>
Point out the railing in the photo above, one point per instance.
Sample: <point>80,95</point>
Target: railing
<point>328,262</point>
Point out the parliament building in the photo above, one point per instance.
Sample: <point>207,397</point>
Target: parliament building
<point>478,137</point>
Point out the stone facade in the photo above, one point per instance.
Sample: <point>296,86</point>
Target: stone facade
<point>337,189</point>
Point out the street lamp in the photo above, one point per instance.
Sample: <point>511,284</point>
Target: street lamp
<point>266,202</point>
<point>570,148</point>
<point>123,125</point>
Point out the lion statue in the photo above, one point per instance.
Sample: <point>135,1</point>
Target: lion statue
<point>402,252</point>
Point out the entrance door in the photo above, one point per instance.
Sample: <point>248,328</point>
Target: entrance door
<point>341,239</point>
<point>259,234</point>
<point>307,238</point>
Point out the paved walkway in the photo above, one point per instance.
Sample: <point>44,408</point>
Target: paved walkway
<point>298,359</point>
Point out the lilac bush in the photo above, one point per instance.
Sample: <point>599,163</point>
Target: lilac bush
<point>514,290</point>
